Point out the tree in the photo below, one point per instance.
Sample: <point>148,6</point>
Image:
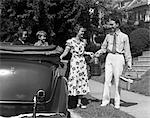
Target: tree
<point>57,17</point>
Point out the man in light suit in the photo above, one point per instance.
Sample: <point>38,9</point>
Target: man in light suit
<point>116,44</point>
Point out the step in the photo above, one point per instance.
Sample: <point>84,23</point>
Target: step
<point>143,58</point>
<point>137,73</point>
<point>146,53</point>
<point>141,62</point>
<point>140,68</point>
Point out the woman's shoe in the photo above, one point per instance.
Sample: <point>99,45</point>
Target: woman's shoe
<point>82,106</point>
<point>78,105</point>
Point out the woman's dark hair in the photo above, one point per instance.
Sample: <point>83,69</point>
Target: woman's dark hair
<point>21,33</point>
<point>77,28</point>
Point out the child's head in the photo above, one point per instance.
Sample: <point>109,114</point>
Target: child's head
<point>23,34</point>
<point>41,35</point>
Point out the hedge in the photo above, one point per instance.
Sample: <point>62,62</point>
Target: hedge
<point>139,40</point>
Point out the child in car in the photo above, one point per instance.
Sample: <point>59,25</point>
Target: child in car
<point>41,35</point>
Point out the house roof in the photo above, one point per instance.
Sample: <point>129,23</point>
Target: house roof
<point>121,4</point>
<point>130,4</point>
<point>137,3</point>
<point>126,4</point>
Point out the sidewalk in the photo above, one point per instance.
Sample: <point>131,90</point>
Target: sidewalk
<point>73,114</point>
<point>134,104</point>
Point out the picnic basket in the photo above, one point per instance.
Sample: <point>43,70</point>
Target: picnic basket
<point>129,76</point>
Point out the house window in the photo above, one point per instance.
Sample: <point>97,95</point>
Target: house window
<point>147,16</point>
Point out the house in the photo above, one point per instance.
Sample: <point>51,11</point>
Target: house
<point>139,10</point>
<point>136,10</point>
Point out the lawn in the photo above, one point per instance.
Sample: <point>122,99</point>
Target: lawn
<point>142,86</point>
<point>94,110</point>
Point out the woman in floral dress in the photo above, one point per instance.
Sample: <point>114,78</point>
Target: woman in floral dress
<point>78,77</point>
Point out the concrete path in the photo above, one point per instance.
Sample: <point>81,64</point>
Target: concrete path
<point>134,104</point>
<point>73,114</point>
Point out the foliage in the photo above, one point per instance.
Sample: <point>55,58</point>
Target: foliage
<point>56,17</point>
<point>15,16</point>
<point>139,40</point>
<point>139,37</point>
<point>127,29</point>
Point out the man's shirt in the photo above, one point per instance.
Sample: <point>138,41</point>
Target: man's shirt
<point>122,45</point>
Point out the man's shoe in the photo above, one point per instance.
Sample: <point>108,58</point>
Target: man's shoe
<point>81,106</point>
<point>102,105</point>
<point>117,107</point>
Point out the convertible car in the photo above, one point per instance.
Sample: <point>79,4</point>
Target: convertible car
<point>30,83</point>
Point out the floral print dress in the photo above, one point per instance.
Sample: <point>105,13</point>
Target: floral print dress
<point>78,77</point>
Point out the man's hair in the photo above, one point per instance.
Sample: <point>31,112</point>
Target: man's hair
<point>116,19</point>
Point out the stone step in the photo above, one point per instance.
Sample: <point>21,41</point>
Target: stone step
<point>146,53</point>
<point>140,68</point>
<point>141,62</point>
<point>142,65</point>
<point>143,58</point>
<point>136,73</point>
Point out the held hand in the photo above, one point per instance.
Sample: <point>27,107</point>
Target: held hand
<point>91,54</point>
<point>129,68</point>
<point>129,65</point>
<point>47,53</point>
<point>50,52</point>
<point>61,57</point>
<point>97,54</point>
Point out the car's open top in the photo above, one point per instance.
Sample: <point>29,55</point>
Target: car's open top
<point>24,49</point>
<point>10,46</point>
<point>27,51</point>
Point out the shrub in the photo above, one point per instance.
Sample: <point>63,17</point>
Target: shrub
<point>57,17</point>
<point>127,28</point>
<point>139,40</point>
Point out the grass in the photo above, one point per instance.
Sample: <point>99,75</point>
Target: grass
<point>94,110</point>
<point>142,86</point>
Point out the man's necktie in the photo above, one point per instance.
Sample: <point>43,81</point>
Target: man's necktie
<point>114,44</point>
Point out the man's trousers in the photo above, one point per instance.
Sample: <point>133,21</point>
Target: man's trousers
<point>113,67</point>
